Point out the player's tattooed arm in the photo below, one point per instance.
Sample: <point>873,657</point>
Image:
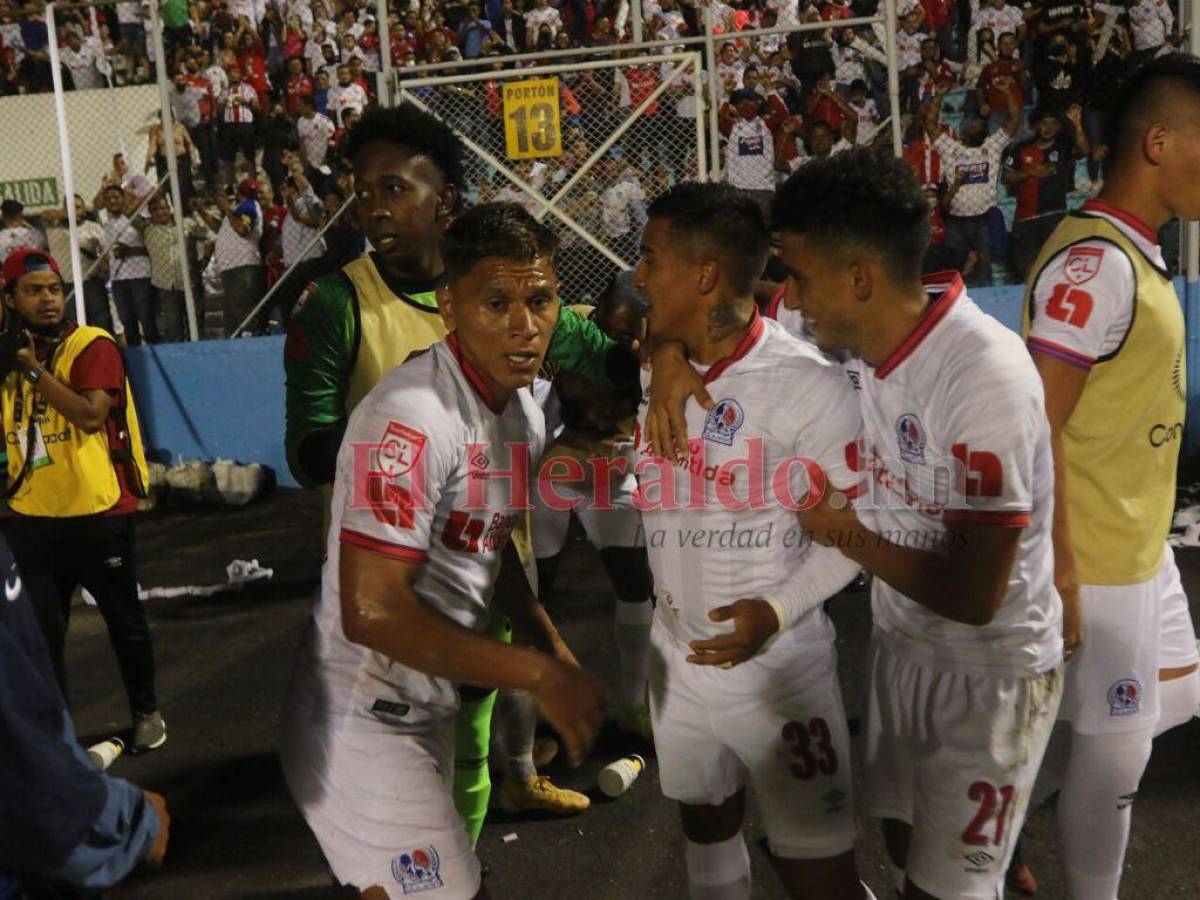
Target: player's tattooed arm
<point>966,583</point>
<point>382,611</point>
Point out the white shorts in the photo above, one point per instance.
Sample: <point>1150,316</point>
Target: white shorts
<point>617,527</point>
<point>381,807</point>
<point>955,756</point>
<point>777,722</point>
<point>1129,632</point>
<point>1177,637</point>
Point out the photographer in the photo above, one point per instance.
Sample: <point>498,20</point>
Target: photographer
<point>75,472</point>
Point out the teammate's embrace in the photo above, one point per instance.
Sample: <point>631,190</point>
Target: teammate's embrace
<point>965,674</point>
<point>426,493</point>
<point>731,571</point>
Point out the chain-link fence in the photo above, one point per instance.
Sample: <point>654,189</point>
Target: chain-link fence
<point>581,145</point>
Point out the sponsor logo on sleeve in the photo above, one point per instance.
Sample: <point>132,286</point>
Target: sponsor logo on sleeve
<point>1082,264</point>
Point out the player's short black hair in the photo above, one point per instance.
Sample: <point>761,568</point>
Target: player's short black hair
<point>413,128</point>
<point>859,197</point>
<point>720,221</point>
<point>504,230</point>
<point>1143,94</point>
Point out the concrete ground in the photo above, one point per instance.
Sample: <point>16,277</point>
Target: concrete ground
<point>223,667</point>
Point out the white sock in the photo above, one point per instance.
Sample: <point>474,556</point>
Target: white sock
<point>718,871</point>
<point>1177,700</point>
<point>1094,809</point>
<point>518,720</point>
<point>632,629</point>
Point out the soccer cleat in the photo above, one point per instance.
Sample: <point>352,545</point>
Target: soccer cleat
<point>149,732</point>
<point>634,720</point>
<point>537,794</point>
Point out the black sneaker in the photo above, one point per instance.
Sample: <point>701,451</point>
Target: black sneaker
<point>149,732</point>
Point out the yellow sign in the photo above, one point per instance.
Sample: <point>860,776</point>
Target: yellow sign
<point>531,119</point>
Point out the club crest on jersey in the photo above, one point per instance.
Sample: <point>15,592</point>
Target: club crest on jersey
<point>1125,697</point>
<point>910,435</point>
<point>417,870</point>
<point>723,422</point>
<point>1082,264</point>
<point>399,449</point>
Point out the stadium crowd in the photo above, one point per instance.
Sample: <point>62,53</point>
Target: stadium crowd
<point>1003,109</point>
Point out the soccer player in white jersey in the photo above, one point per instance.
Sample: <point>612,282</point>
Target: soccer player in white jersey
<point>428,488</point>
<point>1107,335</point>
<point>743,682</point>
<point>966,664</point>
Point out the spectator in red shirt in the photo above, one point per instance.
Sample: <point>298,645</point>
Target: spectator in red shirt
<point>1008,71</point>
<point>920,153</point>
<point>298,85</point>
<point>1041,173</point>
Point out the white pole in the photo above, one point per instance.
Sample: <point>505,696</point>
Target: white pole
<point>168,124</point>
<point>384,83</point>
<point>893,63</point>
<point>635,12</point>
<point>714,95</point>
<point>64,149</point>
<point>698,90</point>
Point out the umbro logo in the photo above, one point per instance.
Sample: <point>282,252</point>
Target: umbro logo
<point>479,461</point>
<point>979,859</point>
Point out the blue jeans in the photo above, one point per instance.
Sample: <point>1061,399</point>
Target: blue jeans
<point>137,305</point>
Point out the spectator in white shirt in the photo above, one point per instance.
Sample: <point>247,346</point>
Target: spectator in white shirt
<point>129,269</point>
<point>866,111</point>
<point>238,261</point>
<point>999,16</point>
<point>1151,22</point>
<point>345,95</point>
<point>313,132</point>
<point>972,167</point>
<point>542,15</point>
<point>16,231</point>
<point>239,106</point>
<point>91,244</point>
<point>80,60</point>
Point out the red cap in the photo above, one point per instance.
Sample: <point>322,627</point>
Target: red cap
<point>28,259</point>
<point>248,188</point>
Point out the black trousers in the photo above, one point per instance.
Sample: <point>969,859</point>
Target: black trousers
<point>56,555</point>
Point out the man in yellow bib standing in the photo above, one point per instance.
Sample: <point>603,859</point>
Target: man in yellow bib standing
<point>1106,331</point>
<point>75,472</point>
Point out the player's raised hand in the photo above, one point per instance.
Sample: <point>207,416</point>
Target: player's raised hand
<point>754,622</point>
<point>673,382</point>
<point>572,701</point>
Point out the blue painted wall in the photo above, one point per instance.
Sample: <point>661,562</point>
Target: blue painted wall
<point>212,399</point>
<point>225,398</point>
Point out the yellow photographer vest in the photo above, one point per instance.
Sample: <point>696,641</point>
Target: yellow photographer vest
<point>70,473</point>
<point>1121,444</point>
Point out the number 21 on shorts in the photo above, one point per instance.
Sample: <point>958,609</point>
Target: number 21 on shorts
<point>995,804</point>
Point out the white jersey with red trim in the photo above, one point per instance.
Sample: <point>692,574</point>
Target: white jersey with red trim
<point>1066,332</point>
<point>955,430</point>
<point>421,479</point>
<point>718,530</point>
<point>791,319</point>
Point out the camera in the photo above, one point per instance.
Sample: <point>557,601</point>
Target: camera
<point>12,339</point>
